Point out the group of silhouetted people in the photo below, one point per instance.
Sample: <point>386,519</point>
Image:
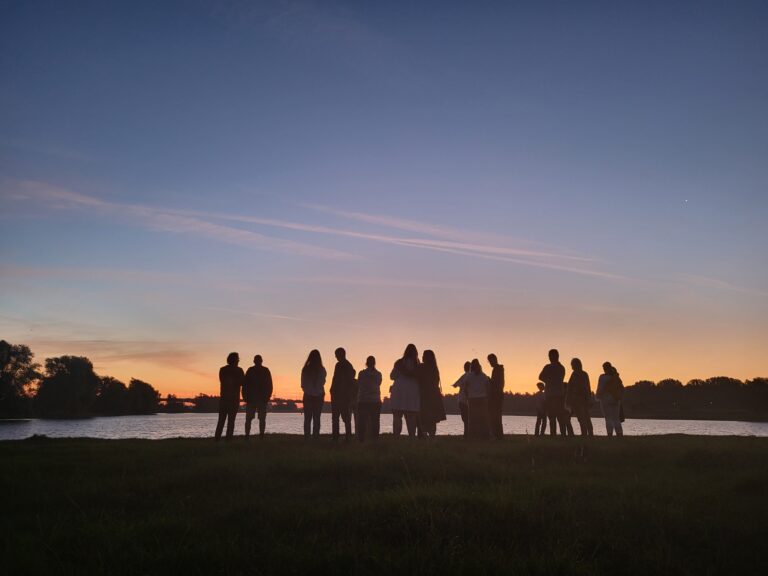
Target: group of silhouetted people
<point>557,400</point>
<point>416,396</point>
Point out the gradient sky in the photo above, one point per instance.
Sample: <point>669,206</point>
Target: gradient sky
<point>181,180</point>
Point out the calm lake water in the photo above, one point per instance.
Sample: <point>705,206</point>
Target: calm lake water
<point>202,425</point>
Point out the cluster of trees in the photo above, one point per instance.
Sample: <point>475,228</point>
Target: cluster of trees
<point>68,387</point>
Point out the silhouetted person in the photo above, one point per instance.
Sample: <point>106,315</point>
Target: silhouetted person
<point>477,396</point>
<point>342,388</point>
<point>496,398</point>
<point>553,375</point>
<point>541,410</point>
<point>461,384</point>
<point>313,376</point>
<point>610,390</point>
<point>368,401</point>
<point>432,407</point>
<point>405,397</point>
<point>257,390</point>
<point>230,380</point>
<point>578,396</point>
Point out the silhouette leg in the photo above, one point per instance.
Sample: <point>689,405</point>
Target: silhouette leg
<point>220,423</point>
<point>317,411</point>
<point>335,420</point>
<point>262,419</point>
<point>346,416</point>
<point>397,422</point>
<point>411,423</point>
<point>231,421</point>
<point>375,421</point>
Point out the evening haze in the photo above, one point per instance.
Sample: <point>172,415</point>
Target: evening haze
<point>183,180</point>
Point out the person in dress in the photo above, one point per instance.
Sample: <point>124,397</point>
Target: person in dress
<point>432,407</point>
<point>477,398</point>
<point>405,396</point>
<point>313,377</point>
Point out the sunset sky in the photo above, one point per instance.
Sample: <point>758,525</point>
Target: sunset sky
<point>183,180</point>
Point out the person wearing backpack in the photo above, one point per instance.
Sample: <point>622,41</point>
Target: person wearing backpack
<point>610,389</point>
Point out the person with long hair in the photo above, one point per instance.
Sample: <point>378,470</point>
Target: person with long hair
<point>610,390</point>
<point>478,385</point>
<point>461,397</point>
<point>431,395</point>
<point>405,398</point>
<point>496,397</point>
<point>313,376</point>
<point>578,396</point>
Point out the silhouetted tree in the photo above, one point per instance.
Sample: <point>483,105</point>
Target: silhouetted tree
<point>111,397</point>
<point>173,405</point>
<point>68,389</point>
<point>142,398</point>
<point>205,403</point>
<point>17,374</point>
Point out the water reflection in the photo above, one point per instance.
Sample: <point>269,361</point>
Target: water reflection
<point>202,425</point>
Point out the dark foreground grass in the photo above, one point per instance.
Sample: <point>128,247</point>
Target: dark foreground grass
<point>663,505</point>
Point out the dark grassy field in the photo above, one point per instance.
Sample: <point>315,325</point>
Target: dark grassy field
<point>662,505</point>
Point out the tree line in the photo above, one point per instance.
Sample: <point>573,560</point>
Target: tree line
<point>68,387</point>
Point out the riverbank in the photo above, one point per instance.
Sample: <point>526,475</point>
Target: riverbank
<point>525,505</point>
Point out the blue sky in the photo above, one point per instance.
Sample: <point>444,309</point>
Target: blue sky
<point>183,179</point>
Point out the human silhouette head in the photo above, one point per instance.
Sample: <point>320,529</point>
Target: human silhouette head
<point>475,367</point>
<point>492,360</point>
<point>233,359</point>
<point>607,368</point>
<point>314,361</point>
<point>467,366</point>
<point>540,386</point>
<point>554,355</point>
<point>411,352</point>
<point>370,362</point>
<point>576,365</point>
<point>257,360</point>
<point>341,354</point>
<point>428,358</point>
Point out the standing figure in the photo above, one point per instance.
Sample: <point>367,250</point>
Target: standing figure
<point>553,375</point>
<point>342,388</point>
<point>461,384</point>
<point>432,407</point>
<point>405,399</point>
<point>313,376</point>
<point>578,397</point>
<point>368,401</point>
<point>496,397</point>
<point>541,410</point>
<point>257,390</point>
<point>230,380</point>
<point>477,396</point>
<point>610,389</point>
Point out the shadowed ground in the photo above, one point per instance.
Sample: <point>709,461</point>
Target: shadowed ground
<point>673,504</point>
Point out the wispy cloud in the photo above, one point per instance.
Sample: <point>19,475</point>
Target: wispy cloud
<point>718,284</point>
<point>172,221</point>
<point>432,237</point>
<point>280,317</point>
